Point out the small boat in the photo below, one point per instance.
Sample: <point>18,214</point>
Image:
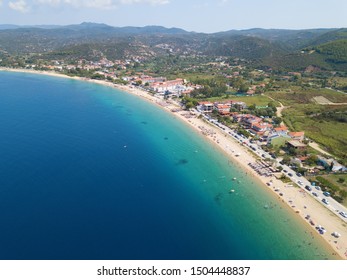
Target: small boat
<point>232,191</point>
<point>234,178</point>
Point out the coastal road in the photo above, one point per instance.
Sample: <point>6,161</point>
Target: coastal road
<point>301,181</point>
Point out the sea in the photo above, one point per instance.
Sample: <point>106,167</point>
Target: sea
<point>89,172</point>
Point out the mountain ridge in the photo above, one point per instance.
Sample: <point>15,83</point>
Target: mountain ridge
<point>269,47</point>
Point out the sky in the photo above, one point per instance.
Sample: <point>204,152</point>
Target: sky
<point>192,15</point>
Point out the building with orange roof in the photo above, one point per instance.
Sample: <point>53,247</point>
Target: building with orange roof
<point>299,136</point>
<point>206,106</point>
<point>261,127</point>
<point>248,120</point>
<point>223,109</point>
<point>281,130</point>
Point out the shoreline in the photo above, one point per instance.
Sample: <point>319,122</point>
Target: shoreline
<point>293,197</point>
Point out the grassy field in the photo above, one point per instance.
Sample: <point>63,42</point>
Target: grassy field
<point>302,116</point>
<point>339,81</point>
<point>334,179</point>
<point>280,141</point>
<point>296,95</point>
<point>192,76</point>
<point>259,100</point>
<point>330,134</point>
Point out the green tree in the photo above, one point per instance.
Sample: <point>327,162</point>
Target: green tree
<point>286,159</point>
<point>312,160</point>
<point>341,180</point>
<point>277,120</point>
<point>243,88</point>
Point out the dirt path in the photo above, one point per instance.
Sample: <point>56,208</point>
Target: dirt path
<point>279,109</point>
<point>321,100</point>
<point>315,146</point>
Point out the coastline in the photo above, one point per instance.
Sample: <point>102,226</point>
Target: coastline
<point>294,198</point>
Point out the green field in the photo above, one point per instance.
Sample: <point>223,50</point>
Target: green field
<point>259,100</point>
<point>334,179</point>
<point>279,141</point>
<point>295,95</point>
<point>330,134</point>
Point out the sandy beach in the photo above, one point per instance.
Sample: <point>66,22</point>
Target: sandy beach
<point>292,197</point>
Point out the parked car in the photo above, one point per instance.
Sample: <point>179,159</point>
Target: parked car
<point>327,194</point>
<point>343,214</point>
<point>315,194</point>
<point>325,201</point>
<point>307,187</point>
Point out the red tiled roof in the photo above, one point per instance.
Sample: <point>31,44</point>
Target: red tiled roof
<point>297,134</point>
<point>281,128</point>
<point>223,106</point>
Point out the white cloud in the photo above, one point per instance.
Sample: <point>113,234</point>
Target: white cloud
<point>23,7</point>
<point>152,2</point>
<point>101,4</point>
<point>19,6</point>
<point>49,2</point>
<point>223,2</point>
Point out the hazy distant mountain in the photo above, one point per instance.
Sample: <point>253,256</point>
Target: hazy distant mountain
<point>8,26</point>
<point>100,27</point>
<point>293,39</point>
<point>272,47</point>
<point>337,34</point>
<point>13,26</point>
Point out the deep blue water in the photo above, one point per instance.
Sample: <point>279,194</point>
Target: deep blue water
<point>89,172</point>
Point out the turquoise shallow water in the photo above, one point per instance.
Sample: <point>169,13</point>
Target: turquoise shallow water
<point>89,172</point>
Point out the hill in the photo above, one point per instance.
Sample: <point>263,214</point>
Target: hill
<point>276,48</point>
<point>291,39</point>
<point>335,52</point>
<point>330,56</point>
<point>333,35</point>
